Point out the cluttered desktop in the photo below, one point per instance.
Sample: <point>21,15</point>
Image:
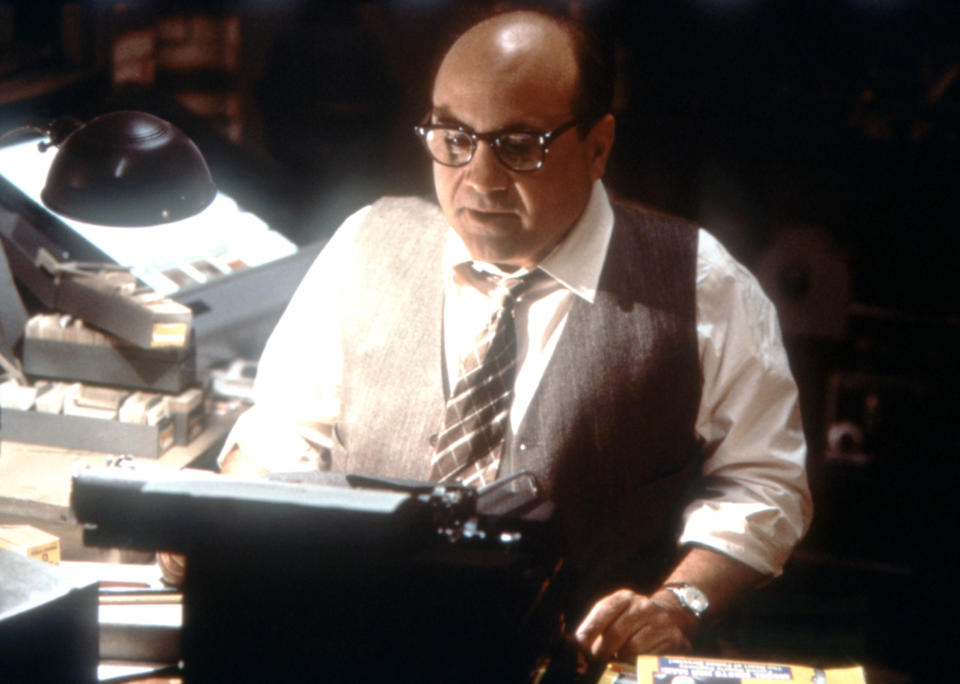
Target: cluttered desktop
<point>119,347</point>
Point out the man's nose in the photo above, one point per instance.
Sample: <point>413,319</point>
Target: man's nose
<point>485,172</point>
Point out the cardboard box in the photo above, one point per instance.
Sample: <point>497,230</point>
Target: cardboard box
<point>30,542</point>
<point>189,415</point>
<point>90,434</point>
<point>156,370</point>
<point>145,320</point>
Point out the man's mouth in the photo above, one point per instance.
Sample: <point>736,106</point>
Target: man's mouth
<point>488,214</point>
<point>487,219</point>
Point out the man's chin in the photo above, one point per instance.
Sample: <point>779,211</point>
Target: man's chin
<point>502,252</point>
<point>495,238</point>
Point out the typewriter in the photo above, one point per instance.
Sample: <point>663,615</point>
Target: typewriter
<point>346,578</point>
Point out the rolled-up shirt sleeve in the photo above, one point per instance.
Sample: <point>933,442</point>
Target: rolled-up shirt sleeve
<point>756,501</point>
<point>297,389</point>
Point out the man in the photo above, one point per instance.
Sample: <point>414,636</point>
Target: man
<point>651,393</point>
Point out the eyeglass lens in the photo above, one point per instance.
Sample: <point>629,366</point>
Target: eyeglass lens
<point>519,151</point>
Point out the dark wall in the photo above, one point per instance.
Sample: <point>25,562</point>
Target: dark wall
<point>749,115</point>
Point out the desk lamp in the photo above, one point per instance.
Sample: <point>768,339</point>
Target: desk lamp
<point>124,168</point>
<point>128,169</point>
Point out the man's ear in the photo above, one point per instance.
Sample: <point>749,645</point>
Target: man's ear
<point>599,144</point>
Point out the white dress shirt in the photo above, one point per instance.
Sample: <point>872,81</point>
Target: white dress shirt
<point>748,417</point>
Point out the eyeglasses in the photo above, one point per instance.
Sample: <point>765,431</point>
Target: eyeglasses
<point>516,149</point>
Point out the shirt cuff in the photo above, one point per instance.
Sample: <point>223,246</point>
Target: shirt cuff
<point>755,534</point>
<point>275,445</point>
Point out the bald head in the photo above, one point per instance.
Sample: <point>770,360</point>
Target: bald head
<point>520,49</point>
<point>553,52</point>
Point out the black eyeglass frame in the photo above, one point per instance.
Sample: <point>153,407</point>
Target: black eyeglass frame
<point>544,139</point>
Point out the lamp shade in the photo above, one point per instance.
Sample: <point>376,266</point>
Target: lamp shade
<point>128,169</point>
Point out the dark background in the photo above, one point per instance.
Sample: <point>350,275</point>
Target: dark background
<point>817,139</point>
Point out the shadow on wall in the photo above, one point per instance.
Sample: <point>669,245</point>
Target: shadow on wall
<point>327,100</point>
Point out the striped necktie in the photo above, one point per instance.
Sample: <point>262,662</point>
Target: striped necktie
<point>470,442</point>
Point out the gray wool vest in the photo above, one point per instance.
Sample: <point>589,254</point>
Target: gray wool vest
<point>610,430</point>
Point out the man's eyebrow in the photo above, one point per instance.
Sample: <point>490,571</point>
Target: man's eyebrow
<point>444,116</point>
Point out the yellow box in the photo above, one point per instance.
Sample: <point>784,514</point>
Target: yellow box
<point>667,668</point>
<point>30,542</point>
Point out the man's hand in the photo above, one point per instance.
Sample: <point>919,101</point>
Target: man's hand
<point>238,463</point>
<point>625,624</point>
<point>173,567</point>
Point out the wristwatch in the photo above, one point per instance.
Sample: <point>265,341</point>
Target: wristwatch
<point>690,597</point>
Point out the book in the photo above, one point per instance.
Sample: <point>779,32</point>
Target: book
<point>677,669</point>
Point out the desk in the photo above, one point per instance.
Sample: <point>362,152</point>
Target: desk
<point>137,635</point>
<point>35,481</point>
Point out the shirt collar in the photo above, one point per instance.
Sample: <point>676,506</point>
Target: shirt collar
<point>576,262</point>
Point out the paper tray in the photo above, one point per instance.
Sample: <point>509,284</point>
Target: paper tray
<point>89,434</point>
<point>125,366</point>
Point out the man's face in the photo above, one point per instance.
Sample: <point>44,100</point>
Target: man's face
<point>514,79</point>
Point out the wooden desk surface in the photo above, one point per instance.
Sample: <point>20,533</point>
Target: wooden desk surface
<point>35,483</point>
<point>40,475</point>
<point>35,479</point>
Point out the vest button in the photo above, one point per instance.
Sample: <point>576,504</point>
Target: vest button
<point>523,446</point>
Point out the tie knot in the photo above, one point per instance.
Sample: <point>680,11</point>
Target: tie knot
<point>509,290</point>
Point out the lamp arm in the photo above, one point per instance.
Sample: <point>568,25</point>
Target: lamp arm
<point>24,129</point>
<point>56,131</point>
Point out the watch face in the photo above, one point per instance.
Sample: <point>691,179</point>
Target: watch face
<point>692,598</point>
<point>695,599</point>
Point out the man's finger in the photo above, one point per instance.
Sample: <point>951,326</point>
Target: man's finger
<point>625,624</point>
<point>638,629</point>
<point>652,641</point>
<point>601,616</point>
<point>172,567</point>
